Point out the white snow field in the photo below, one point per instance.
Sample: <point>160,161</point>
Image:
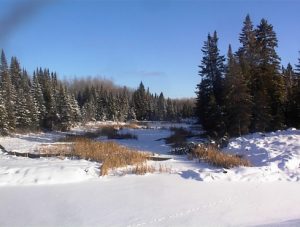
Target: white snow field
<point>56,192</point>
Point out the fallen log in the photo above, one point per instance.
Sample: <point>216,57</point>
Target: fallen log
<point>157,158</point>
<point>33,155</point>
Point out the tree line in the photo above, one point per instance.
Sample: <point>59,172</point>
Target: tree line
<point>42,101</point>
<point>101,103</point>
<point>248,91</point>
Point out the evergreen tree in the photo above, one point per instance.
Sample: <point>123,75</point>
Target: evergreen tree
<point>140,102</point>
<point>161,107</point>
<point>290,78</point>
<point>8,92</point>
<point>15,72</point>
<point>4,129</point>
<point>237,99</point>
<point>75,109</point>
<point>209,90</point>
<point>296,97</point>
<point>100,105</point>
<point>170,110</point>
<point>123,105</point>
<point>268,80</point>
<point>38,99</point>
<point>247,53</point>
<point>64,110</point>
<point>23,117</point>
<point>112,107</point>
<point>50,97</point>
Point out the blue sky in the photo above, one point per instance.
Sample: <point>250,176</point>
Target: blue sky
<point>155,41</point>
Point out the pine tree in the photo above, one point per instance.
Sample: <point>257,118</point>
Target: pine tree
<point>75,109</point>
<point>123,105</point>
<point>247,53</point>
<point>161,107</point>
<point>290,78</point>
<point>4,129</point>
<point>23,117</point>
<point>140,102</point>
<point>49,93</point>
<point>64,110</point>
<point>209,90</point>
<point>237,98</point>
<point>112,107</point>
<point>170,110</point>
<point>100,105</point>
<point>269,79</point>
<point>15,72</point>
<point>8,92</point>
<point>38,99</point>
<point>296,97</point>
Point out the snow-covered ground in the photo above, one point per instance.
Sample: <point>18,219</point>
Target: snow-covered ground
<point>56,192</point>
<point>153,200</point>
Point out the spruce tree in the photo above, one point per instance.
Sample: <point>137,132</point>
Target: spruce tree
<point>140,102</point>
<point>38,98</point>
<point>161,107</point>
<point>268,81</point>
<point>100,105</point>
<point>237,98</point>
<point>296,97</point>
<point>8,92</point>
<point>4,129</point>
<point>247,53</point>
<point>209,106</point>
<point>170,110</point>
<point>290,78</point>
<point>112,107</point>
<point>64,110</point>
<point>23,117</point>
<point>75,109</point>
<point>16,73</point>
<point>123,105</point>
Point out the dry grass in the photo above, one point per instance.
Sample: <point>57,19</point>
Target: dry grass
<point>215,157</point>
<point>164,169</point>
<point>110,154</point>
<point>59,148</point>
<point>142,169</point>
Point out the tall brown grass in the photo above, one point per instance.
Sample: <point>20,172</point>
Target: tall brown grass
<point>56,148</point>
<point>110,154</point>
<point>212,155</point>
<point>142,169</point>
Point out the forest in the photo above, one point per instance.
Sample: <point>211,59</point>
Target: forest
<point>43,102</point>
<point>249,91</point>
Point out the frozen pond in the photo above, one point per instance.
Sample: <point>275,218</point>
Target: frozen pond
<point>147,140</point>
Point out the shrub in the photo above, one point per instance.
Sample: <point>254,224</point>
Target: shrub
<point>179,137</point>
